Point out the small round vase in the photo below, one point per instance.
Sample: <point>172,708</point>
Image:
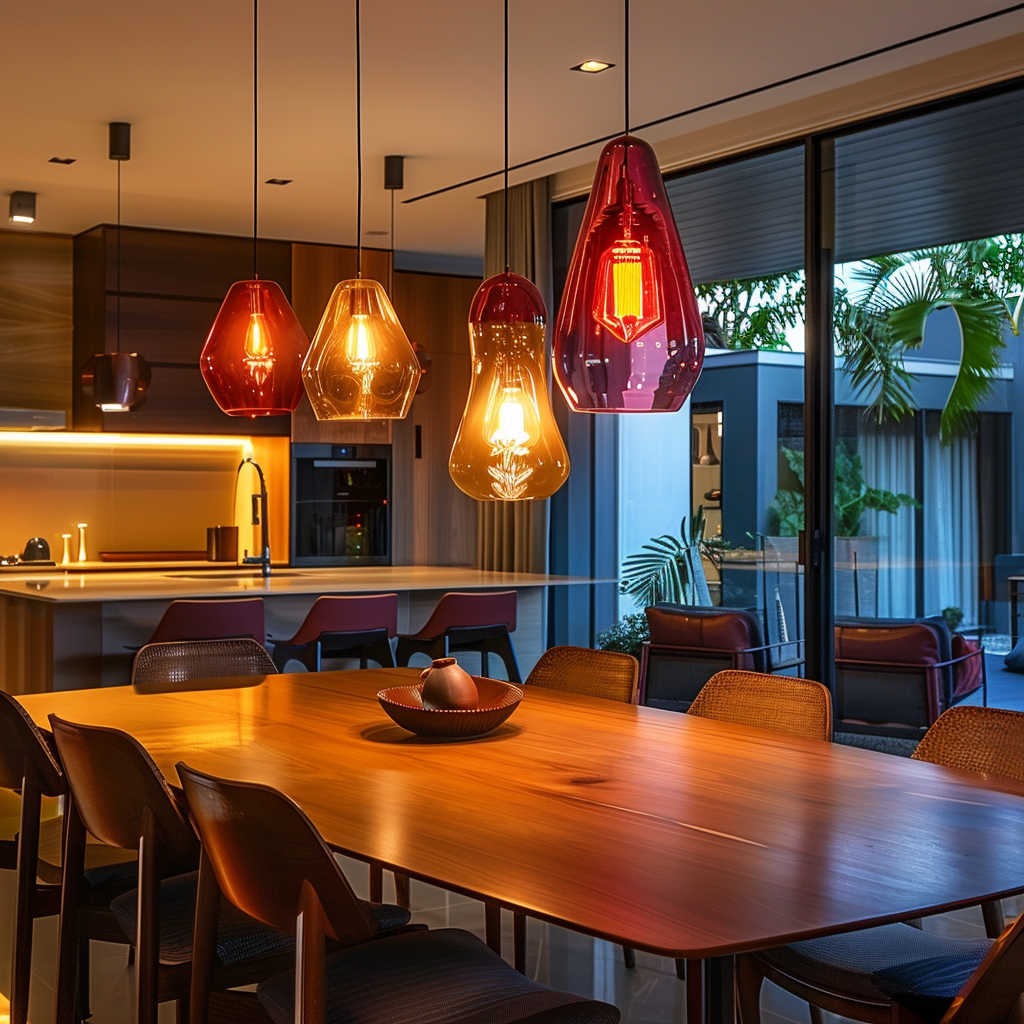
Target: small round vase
<point>447,687</point>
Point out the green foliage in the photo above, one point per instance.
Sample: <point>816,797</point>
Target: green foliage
<point>852,496</point>
<point>755,312</point>
<point>981,282</point>
<point>626,635</point>
<point>953,616</point>
<point>670,569</point>
<point>881,321</point>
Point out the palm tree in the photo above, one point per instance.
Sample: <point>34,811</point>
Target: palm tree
<point>981,282</point>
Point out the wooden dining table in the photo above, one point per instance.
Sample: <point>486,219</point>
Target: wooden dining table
<point>664,832</point>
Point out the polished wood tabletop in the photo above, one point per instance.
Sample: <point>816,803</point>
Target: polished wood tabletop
<point>665,832</point>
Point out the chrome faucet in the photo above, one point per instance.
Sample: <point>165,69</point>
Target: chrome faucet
<point>259,518</point>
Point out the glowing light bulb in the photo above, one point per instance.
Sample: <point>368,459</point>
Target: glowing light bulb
<point>511,429</point>
<point>259,355</point>
<point>628,299</point>
<point>359,346</point>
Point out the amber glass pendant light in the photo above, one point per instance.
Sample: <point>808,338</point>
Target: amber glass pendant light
<point>252,359</point>
<point>361,365</point>
<point>508,447</point>
<point>117,381</point>
<point>628,336</point>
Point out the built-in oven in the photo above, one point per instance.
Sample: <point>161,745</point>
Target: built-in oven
<point>341,504</point>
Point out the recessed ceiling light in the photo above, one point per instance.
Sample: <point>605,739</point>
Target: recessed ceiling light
<point>61,160</point>
<point>592,67</point>
<point>375,232</point>
<point>279,181</point>
<point>23,207</point>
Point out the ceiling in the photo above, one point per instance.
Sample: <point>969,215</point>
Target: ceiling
<point>432,89</point>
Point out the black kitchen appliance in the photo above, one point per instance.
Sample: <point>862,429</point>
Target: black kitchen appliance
<point>341,504</point>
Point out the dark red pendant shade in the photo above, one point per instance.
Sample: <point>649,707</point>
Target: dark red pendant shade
<point>116,381</point>
<point>252,359</point>
<point>628,336</point>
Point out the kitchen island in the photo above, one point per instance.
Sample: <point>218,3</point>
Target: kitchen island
<point>65,630</point>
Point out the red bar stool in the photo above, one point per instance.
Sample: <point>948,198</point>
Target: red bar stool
<point>337,627</point>
<point>468,622</point>
<point>220,619</point>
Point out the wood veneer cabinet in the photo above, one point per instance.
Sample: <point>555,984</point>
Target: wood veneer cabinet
<point>172,284</point>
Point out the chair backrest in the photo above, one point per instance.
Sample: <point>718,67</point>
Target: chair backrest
<point>988,741</point>
<point>689,644</point>
<point>993,992</point>
<point>350,614</point>
<point>184,660</point>
<point>796,707</point>
<point>265,851</point>
<point>608,674</point>
<point>467,609</point>
<point>892,671</point>
<point>23,750</point>
<point>216,619</point>
<point>116,787</point>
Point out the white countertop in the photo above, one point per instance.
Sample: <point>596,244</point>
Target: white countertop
<point>58,586</point>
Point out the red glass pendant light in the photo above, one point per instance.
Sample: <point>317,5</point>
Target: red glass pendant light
<point>252,359</point>
<point>628,336</point>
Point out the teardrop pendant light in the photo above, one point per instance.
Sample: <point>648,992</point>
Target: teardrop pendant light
<point>361,365</point>
<point>252,359</point>
<point>117,381</point>
<point>508,447</point>
<point>628,336</point>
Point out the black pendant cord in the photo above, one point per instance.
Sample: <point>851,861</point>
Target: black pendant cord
<point>505,197</point>
<point>117,320</point>
<point>255,130</point>
<point>359,150</point>
<point>625,64</point>
<point>391,270</point>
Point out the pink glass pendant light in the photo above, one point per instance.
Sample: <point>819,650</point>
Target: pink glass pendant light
<point>628,337</point>
<point>252,359</point>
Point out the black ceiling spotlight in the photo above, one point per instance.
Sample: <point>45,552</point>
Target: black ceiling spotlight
<point>23,207</point>
<point>279,181</point>
<point>61,160</point>
<point>117,381</point>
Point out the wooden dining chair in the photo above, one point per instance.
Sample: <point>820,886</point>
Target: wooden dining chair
<point>838,974</point>
<point>608,674</point>
<point>177,662</point>
<point>895,974</point>
<point>785,704</point>
<point>29,766</point>
<point>118,794</point>
<point>263,853</point>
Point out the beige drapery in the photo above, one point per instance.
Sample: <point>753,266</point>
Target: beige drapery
<point>512,536</point>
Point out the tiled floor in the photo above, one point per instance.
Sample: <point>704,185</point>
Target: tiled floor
<point>649,995</point>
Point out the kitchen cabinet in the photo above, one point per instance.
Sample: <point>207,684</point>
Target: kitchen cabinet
<point>171,286</point>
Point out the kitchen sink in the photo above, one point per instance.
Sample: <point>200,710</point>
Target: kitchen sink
<point>240,575</point>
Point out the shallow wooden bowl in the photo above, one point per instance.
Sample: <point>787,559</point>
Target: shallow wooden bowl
<point>497,701</point>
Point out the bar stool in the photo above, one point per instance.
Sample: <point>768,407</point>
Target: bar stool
<point>220,619</point>
<point>337,627</point>
<point>468,622</point>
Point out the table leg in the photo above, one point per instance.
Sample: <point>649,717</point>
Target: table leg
<point>710,990</point>
<point>492,919</point>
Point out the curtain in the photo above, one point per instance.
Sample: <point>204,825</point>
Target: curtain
<point>951,523</point>
<point>512,536</point>
<point>887,453</point>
